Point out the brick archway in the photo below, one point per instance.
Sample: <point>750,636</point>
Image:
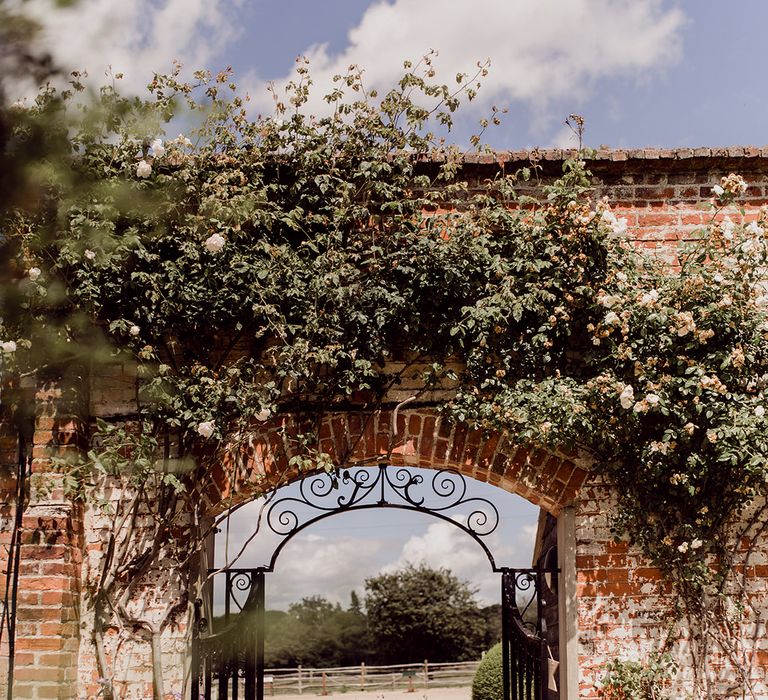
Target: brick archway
<point>418,437</point>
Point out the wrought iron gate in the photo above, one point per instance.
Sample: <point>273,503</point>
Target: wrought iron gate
<point>529,666</point>
<point>228,663</point>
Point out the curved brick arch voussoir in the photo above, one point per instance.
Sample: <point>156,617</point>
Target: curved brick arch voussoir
<point>423,438</point>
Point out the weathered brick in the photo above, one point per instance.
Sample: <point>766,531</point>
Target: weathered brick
<point>621,598</point>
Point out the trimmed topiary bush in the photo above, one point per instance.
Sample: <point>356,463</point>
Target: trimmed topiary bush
<point>488,682</point>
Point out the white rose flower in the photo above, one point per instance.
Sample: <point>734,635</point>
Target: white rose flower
<point>156,148</point>
<point>755,229</point>
<point>696,544</point>
<point>682,548</point>
<point>8,346</point>
<point>607,300</point>
<point>34,273</point>
<point>143,169</point>
<point>263,415</point>
<point>612,319</point>
<point>621,277</point>
<point>649,298</point>
<point>175,158</point>
<point>620,227</point>
<point>215,243</point>
<point>718,190</point>
<point>733,183</point>
<point>627,397</point>
<point>726,228</point>
<point>652,399</point>
<point>684,323</point>
<point>134,330</point>
<point>759,411</point>
<point>206,428</point>
<point>89,254</point>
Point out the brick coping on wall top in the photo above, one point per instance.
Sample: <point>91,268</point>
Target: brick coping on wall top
<point>615,154</point>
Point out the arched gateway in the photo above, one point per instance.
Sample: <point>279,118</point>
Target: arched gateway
<point>380,446</point>
<point>230,660</point>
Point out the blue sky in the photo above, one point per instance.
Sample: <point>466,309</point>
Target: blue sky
<point>642,73</point>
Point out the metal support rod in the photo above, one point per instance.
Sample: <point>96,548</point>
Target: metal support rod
<point>543,680</point>
<point>250,640</point>
<point>259,580</point>
<point>195,661</point>
<point>505,629</point>
<point>14,556</point>
<point>223,664</point>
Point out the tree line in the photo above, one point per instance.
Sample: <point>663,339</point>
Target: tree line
<point>406,616</point>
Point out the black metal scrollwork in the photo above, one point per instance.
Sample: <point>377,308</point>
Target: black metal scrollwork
<point>526,596</point>
<point>240,581</point>
<point>322,495</point>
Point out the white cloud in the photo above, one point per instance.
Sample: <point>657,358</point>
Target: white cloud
<point>444,545</point>
<point>564,138</point>
<point>135,37</point>
<point>540,51</point>
<point>318,565</point>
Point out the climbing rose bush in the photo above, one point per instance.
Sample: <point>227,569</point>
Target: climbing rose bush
<point>257,267</point>
<point>312,246</point>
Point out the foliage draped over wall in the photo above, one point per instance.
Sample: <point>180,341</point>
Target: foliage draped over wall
<point>259,266</point>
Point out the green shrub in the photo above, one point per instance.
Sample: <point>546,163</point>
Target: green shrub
<point>488,681</point>
<point>634,680</point>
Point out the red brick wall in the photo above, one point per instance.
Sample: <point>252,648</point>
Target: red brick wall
<point>47,620</point>
<point>620,601</point>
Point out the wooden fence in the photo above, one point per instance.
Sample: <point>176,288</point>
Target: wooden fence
<point>327,681</point>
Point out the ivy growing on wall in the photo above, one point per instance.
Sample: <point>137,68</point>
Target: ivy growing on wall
<point>257,266</point>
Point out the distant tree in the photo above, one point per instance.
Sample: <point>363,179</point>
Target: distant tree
<point>355,640</point>
<point>316,632</point>
<point>354,603</point>
<point>492,617</point>
<point>419,612</point>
